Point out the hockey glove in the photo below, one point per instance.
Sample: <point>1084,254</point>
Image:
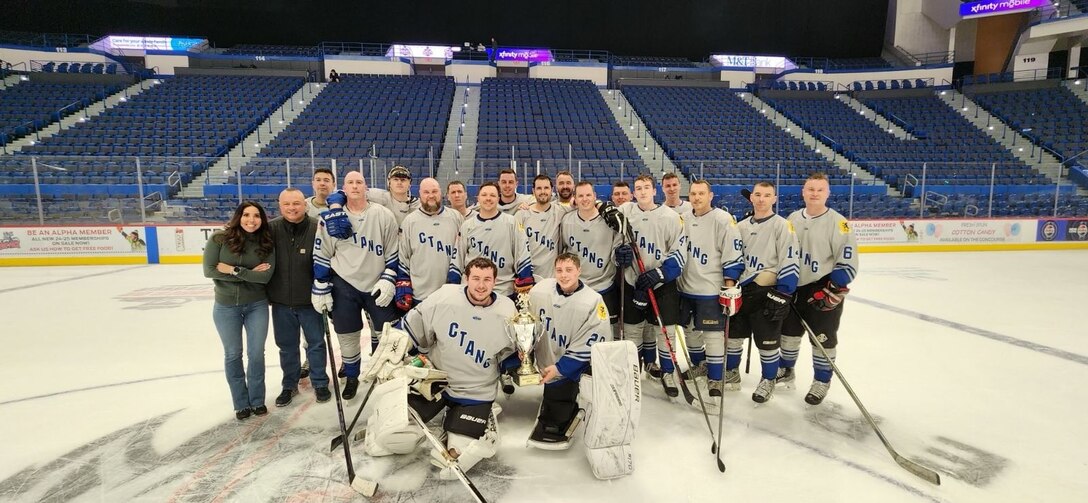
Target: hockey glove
<point>321,296</point>
<point>337,199</point>
<point>523,285</point>
<point>403,296</point>
<point>640,299</point>
<point>777,305</point>
<point>829,297</point>
<point>730,299</point>
<point>649,280</point>
<point>336,223</point>
<point>383,292</point>
<point>393,346</point>
<point>611,216</point>
<point>625,255</point>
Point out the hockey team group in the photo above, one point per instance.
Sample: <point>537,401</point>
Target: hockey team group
<point>586,298</point>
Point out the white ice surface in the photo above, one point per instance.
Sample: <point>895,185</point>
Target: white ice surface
<point>106,399</point>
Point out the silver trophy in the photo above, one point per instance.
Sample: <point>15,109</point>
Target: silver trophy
<point>525,327</point>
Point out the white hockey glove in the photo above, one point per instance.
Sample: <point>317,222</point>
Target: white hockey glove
<point>393,346</point>
<point>321,296</point>
<point>383,292</point>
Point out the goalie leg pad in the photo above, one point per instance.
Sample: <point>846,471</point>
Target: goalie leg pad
<point>612,397</point>
<point>389,430</point>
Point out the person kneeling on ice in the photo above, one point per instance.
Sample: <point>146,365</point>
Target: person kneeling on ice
<point>462,331</point>
<point>573,317</point>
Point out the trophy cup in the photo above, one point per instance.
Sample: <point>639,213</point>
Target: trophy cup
<point>524,326</point>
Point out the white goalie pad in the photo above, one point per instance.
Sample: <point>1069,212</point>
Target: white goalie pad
<point>388,429</point>
<point>612,398</point>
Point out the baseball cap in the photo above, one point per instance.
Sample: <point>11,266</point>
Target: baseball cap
<point>400,171</point>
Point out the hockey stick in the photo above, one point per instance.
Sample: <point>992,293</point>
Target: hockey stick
<point>446,453</point>
<point>918,470</point>
<point>716,448</point>
<point>340,438</point>
<point>362,486</point>
<point>748,356</point>
<point>620,280</point>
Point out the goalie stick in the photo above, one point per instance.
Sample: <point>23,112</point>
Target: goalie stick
<point>446,453</point>
<point>918,470</point>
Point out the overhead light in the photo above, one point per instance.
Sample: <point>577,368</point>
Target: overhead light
<point>965,109</point>
<point>1021,149</point>
<point>943,93</point>
<point>1076,82</point>
<point>991,128</point>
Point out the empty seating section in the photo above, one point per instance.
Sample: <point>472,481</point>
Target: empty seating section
<point>29,106</point>
<point>540,118</point>
<point>953,150</point>
<point>651,61</point>
<point>712,133</point>
<point>871,63</point>
<point>1054,118</point>
<point>44,39</point>
<point>403,117</point>
<point>79,67</point>
<point>272,50</point>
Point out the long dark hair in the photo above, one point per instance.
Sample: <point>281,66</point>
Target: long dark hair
<point>235,237</point>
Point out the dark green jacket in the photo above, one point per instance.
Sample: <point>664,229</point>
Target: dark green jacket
<point>248,286</point>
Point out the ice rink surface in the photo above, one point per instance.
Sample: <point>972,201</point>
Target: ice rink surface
<point>975,364</point>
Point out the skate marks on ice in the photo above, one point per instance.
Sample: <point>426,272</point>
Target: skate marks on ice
<point>39,283</point>
<point>915,273</point>
<point>166,296</point>
<point>271,458</point>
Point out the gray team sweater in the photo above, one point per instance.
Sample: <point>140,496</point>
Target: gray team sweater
<point>294,272</point>
<point>248,286</point>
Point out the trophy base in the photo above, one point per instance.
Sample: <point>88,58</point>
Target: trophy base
<point>527,379</point>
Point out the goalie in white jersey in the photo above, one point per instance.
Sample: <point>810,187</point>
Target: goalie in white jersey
<point>495,236</point>
<point>355,263</point>
<point>585,234</point>
<point>829,262</point>
<point>770,276</point>
<point>708,282</point>
<point>573,317</point>
<point>463,331</point>
<point>540,221</point>
<point>428,247</point>
<point>398,198</point>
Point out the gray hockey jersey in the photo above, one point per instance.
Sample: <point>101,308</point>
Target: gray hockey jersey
<point>312,209</point>
<point>714,253</point>
<point>569,325</point>
<point>428,249</point>
<point>500,240</point>
<point>468,342</point>
<point>660,239</point>
<point>594,242</point>
<point>512,208</point>
<point>828,246</point>
<point>542,233</point>
<point>682,209</point>
<point>770,245</point>
<point>368,255</point>
<point>401,210</point>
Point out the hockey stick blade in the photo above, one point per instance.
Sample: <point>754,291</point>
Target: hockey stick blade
<point>918,470</point>
<point>339,439</point>
<point>442,448</point>
<point>364,486</point>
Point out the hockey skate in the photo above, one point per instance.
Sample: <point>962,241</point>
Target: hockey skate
<point>714,389</point>
<point>551,438</point>
<point>304,372</point>
<point>351,388</point>
<point>764,391</point>
<point>653,370</point>
<point>785,378</point>
<point>668,381</point>
<point>695,372</point>
<point>731,380</point>
<point>817,392</point>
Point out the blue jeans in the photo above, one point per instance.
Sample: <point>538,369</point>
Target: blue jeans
<point>246,389</point>
<point>286,323</point>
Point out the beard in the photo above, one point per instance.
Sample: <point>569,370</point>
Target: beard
<point>429,207</point>
<point>565,194</point>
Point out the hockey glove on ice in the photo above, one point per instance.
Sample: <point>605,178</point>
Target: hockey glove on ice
<point>777,305</point>
<point>730,299</point>
<point>829,297</point>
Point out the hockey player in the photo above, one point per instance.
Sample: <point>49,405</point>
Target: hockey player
<point>621,193</point>
<point>457,196</point>
<point>495,236</point>
<point>670,185</point>
<point>564,188</point>
<point>658,233</point>
<point>829,254</point>
<point>509,199</point>
<point>573,317</point>
<point>585,234</point>
<point>770,277</point>
<point>540,222</point>
<point>427,254</point>
<point>463,331</point>
<point>323,183</point>
<point>398,198</point>
<point>709,282</point>
<point>355,274</point>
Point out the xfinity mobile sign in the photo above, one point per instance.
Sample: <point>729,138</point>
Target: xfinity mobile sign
<point>995,7</point>
<point>139,43</point>
<point>521,54</point>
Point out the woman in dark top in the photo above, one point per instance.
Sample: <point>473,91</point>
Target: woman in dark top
<point>239,259</point>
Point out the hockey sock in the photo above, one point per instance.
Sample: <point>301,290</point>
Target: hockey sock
<point>768,359</point>
<point>695,340</point>
<point>791,345</point>
<point>715,355</point>
<point>733,351</point>
<point>350,353</point>
<point>821,367</point>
